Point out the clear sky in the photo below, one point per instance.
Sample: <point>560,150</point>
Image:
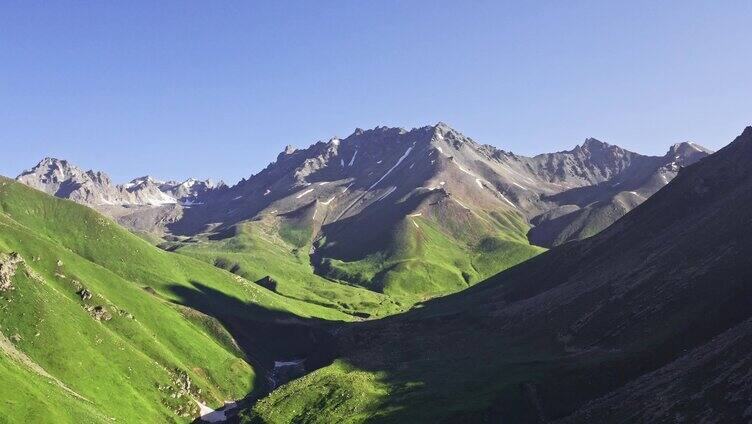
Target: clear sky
<point>217,89</point>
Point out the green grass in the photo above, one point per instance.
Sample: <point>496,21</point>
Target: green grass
<point>257,250</point>
<point>429,259</point>
<point>296,234</point>
<point>28,398</point>
<point>338,393</point>
<point>196,311</point>
<point>433,384</point>
<point>126,367</point>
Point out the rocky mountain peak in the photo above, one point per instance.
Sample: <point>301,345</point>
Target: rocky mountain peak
<point>687,146</point>
<point>52,163</point>
<point>140,182</point>
<point>686,153</point>
<point>595,144</point>
<point>441,129</point>
<point>54,171</point>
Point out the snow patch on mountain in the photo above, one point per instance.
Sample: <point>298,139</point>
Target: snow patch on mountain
<point>399,161</point>
<point>303,193</point>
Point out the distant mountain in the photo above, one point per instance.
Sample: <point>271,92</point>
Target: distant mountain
<point>190,190</point>
<point>62,179</point>
<point>584,211</point>
<point>414,213</point>
<point>430,211</point>
<point>386,209</point>
<point>565,195</point>
<point>648,321</point>
<point>94,188</point>
<point>144,204</point>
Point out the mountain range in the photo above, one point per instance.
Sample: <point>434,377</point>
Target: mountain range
<point>412,214</point>
<point>390,276</point>
<point>160,201</point>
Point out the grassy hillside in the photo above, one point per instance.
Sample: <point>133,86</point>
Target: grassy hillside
<point>423,257</point>
<point>437,254</point>
<point>94,304</point>
<point>279,249</point>
<point>101,325</point>
<point>648,321</point>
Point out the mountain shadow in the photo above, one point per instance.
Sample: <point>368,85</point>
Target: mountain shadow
<point>645,322</point>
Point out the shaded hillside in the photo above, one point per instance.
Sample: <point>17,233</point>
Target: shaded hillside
<point>603,327</point>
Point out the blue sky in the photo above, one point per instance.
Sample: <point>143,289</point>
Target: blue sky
<point>217,89</point>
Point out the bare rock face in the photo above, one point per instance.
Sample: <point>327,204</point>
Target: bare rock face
<point>99,313</point>
<point>377,177</point>
<point>143,204</point>
<point>8,267</point>
<point>85,294</point>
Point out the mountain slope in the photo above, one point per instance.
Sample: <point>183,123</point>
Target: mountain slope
<point>105,326</point>
<point>408,214</point>
<point>421,213</point>
<point>385,209</point>
<point>652,305</point>
<point>583,212</point>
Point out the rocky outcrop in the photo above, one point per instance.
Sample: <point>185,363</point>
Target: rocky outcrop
<point>99,313</point>
<point>85,294</point>
<point>8,266</point>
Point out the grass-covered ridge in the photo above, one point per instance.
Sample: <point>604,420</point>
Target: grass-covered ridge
<point>422,257</point>
<point>432,255</point>
<point>265,248</point>
<point>121,323</point>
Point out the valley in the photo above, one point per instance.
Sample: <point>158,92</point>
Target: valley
<point>375,212</point>
<point>337,283</point>
<point>646,320</point>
